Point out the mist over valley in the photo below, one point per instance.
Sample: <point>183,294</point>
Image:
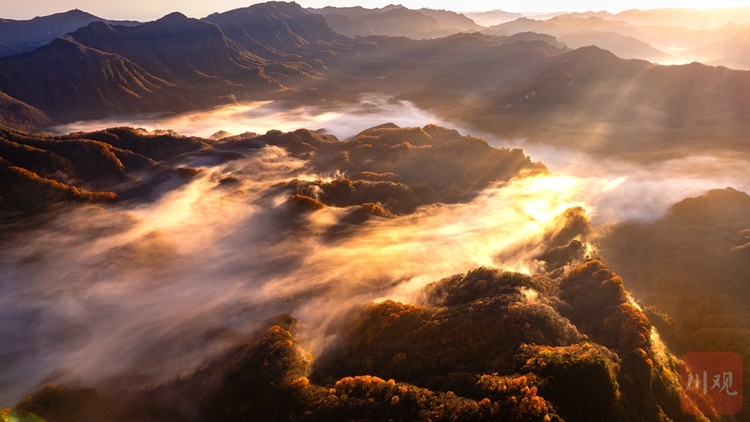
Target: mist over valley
<point>280,213</point>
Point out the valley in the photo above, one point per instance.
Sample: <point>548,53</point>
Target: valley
<point>280,212</point>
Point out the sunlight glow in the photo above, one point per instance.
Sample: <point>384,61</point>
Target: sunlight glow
<point>342,120</point>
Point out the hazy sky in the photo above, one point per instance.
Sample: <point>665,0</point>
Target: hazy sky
<point>154,9</point>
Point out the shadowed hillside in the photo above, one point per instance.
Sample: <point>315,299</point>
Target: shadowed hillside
<point>588,98</point>
<point>385,169</point>
<point>691,268</point>
<point>41,172</point>
<point>172,64</point>
<point>396,20</point>
<point>20,36</point>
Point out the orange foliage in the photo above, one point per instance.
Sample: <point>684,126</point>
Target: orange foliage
<point>635,329</point>
<point>305,203</point>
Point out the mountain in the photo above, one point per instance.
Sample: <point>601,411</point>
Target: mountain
<point>732,52</point>
<point>580,30</point>
<point>286,32</point>
<point>485,352</point>
<point>521,24</point>
<point>347,25</point>
<point>175,47</point>
<point>442,73</point>
<point>436,277</point>
<point>503,85</point>
<point>567,343</point>
<point>172,64</point>
<point>620,45</point>
<point>407,23</point>
<point>681,40</point>
<point>97,84</point>
<point>664,41</point>
<point>559,26</point>
<point>19,36</point>
<point>600,14</point>
<point>689,18</point>
<point>354,12</point>
<point>493,17</point>
<point>691,265</point>
<point>677,106</point>
<point>451,19</point>
<point>533,36</point>
<point>43,172</point>
<point>20,115</point>
<point>250,53</point>
<point>395,21</point>
<point>385,165</point>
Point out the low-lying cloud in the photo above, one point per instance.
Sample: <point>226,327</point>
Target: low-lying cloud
<point>139,294</point>
<point>620,190</point>
<point>341,120</point>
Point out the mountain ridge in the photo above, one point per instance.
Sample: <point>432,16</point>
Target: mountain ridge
<point>177,64</point>
<point>18,36</point>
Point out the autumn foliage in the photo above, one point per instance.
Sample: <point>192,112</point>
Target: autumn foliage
<point>486,345</point>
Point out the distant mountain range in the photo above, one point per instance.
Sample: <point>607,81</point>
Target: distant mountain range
<point>659,35</point>
<point>505,83</point>
<point>396,21</point>
<point>694,19</point>
<point>493,17</point>
<point>19,36</point>
<point>732,52</point>
<point>691,265</point>
<point>175,63</point>
<point>616,36</point>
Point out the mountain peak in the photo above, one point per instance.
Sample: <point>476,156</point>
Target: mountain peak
<point>96,26</point>
<point>173,17</point>
<point>77,12</point>
<point>281,6</point>
<point>280,30</point>
<point>70,14</point>
<point>177,23</point>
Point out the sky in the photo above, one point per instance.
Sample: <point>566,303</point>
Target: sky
<point>145,10</point>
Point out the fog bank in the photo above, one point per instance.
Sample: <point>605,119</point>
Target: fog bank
<point>341,120</point>
<point>142,294</point>
<point>135,295</point>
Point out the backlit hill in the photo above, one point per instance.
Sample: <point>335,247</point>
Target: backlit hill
<point>396,20</point>
<point>388,170</point>
<point>486,345</point>
<point>20,36</point>
<point>691,268</point>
